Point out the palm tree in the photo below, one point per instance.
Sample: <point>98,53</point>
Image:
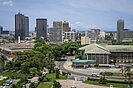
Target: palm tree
<point>126,72</point>
<point>122,70</point>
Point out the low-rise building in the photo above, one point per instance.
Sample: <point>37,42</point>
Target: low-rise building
<point>10,49</point>
<point>85,40</point>
<point>70,36</point>
<point>103,54</point>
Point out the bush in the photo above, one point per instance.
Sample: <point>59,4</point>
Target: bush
<point>106,73</point>
<point>64,73</point>
<point>102,80</point>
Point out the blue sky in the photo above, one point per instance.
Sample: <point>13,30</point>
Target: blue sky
<point>82,14</point>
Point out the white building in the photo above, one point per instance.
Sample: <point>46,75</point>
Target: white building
<point>69,36</point>
<point>85,40</point>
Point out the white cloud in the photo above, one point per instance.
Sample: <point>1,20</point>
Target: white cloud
<point>103,5</point>
<point>130,26</point>
<point>7,2</point>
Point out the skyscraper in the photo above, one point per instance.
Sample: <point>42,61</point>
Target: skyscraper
<point>58,28</point>
<point>21,26</point>
<point>66,27</point>
<point>1,29</point>
<point>120,27</point>
<point>41,28</point>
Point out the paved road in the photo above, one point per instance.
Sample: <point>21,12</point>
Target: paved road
<point>77,84</point>
<point>82,72</point>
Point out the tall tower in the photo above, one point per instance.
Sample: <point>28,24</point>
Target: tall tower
<point>66,27</point>
<point>120,27</point>
<point>21,26</point>
<point>41,28</point>
<point>1,30</point>
<point>58,27</point>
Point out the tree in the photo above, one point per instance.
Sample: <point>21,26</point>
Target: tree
<point>57,72</point>
<point>32,85</point>
<point>71,47</point>
<point>56,84</point>
<point>102,80</point>
<point>33,70</point>
<point>126,72</point>
<point>57,52</point>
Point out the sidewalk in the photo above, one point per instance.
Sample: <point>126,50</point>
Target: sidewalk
<point>77,84</point>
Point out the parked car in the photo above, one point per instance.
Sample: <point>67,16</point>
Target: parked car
<point>73,87</point>
<point>2,87</point>
<point>9,81</point>
<point>94,75</point>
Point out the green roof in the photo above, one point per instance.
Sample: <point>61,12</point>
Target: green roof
<point>83,61</point>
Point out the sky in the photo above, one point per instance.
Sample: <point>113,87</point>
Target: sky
<point>82,14</point>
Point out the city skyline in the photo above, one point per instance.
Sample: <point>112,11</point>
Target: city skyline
<point>82,14</point>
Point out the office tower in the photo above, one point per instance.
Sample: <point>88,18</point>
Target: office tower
<point>41,28</point>
<point>120,27</point>
<point>21,26</point>
<point>66,27</point>
<point>26,26</point>
<point>1,29</point>
<point>123,35</point>
<point>58,28</point>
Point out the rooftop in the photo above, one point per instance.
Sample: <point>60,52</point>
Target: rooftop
<point>106,49</point>
<point>83,61</point>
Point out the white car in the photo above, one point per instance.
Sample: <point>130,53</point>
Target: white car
<point>111,86</point>
<point>73,86</point>
<point>94,75</point>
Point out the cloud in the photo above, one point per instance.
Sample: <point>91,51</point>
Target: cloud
<point>130,26</point>
<point>7,2</point>
<point>124,6</point>
<point>80,25</point>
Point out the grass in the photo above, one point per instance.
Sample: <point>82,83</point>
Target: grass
<point>14,74</point>
<point>45,85</point>
<point>117,85</point>
<point>52,76</point>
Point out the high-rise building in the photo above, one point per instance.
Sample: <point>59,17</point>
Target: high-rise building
<point>120,27</point>
<point>41,28</point>
<point>58,28</point>
<point>123,35</point>
<point>66,27</point>
<point>1,29</point>
<point>21,26</point>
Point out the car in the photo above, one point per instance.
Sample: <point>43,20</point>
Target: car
<point>7,84</point>
<point>2,87</point>
<point>9,81</point>
<point>94,75</point>
<point>111,86</point>
<point>73,87</point>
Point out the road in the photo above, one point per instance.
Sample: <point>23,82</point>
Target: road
<point>81,72</point>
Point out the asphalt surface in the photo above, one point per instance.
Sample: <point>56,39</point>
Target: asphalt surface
<point>80,73</point>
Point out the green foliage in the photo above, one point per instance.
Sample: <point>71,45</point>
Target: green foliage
<point>56,84</point>
<point>32,85</point>
<point>33,70</point>
<point>108,37</point>
<point>45,85</point>
<point>106,73</point>
<point>57,71</point>
<point>102,80</point>
<point>71,47</point>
